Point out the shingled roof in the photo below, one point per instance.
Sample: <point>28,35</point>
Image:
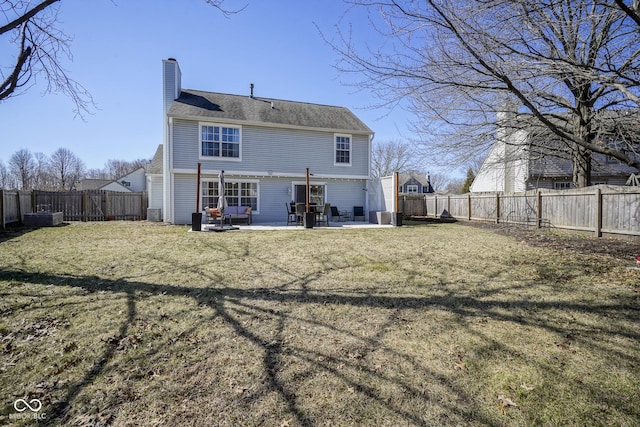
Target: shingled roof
<point>195,104</point>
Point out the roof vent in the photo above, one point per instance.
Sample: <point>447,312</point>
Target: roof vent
<point>272,106</point>
<point>251,89</point>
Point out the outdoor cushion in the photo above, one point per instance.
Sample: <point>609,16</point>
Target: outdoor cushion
<point>235,212</point>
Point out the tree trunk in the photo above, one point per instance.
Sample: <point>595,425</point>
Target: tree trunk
<point>582,128</point>
<point>581,167</point>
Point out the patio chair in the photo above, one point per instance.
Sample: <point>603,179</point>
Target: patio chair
<point>358,211</point>
<point>335,214</point>
<point>323,216</point>
<point>300,209</point>
<point>291,215</point>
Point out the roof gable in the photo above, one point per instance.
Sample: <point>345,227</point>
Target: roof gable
<point>267,111</point>
<point>155,167</point>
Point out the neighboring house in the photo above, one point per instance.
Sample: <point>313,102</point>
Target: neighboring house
<point>132,182</point>
<point>264,146</point>
<point>513,165</point>
<point>414,182</point>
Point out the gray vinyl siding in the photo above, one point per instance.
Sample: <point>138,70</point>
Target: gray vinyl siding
<point>155,192</point>
<point>184,198</point>
<point>169,84</point>
<point>346,194</point>
<point>186,145</point>
<point>270,149</point>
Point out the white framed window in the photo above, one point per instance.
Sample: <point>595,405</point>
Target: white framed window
<point>342,150</point>
<point>220,141</point>
<point>412,188</point>
<point>238,193</point>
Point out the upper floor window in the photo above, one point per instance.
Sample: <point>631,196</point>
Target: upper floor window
<point>219,141</point>
<point>412,188</point>
<point>343,150</point>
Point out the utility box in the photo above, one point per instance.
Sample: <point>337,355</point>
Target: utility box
<point>43,219</point>
<point>154,215</point>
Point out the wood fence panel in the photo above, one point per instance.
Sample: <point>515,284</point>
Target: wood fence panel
<point>518,207</point>
<point>458,206</point>
<point>413,205</point>
<point>431,206</point>
<point>621,213</point>
<point>600,209</point>
<point>70,203</point>
<point>483,207</point>
<point>10,207</point>
<point>570,210</point>
<point>93,205</point>
<point>13,206</point>
<point>126,206</point>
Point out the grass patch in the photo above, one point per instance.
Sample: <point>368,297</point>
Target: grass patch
<point>142,324</point>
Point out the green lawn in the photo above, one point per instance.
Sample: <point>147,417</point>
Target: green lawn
<point>126,323</point>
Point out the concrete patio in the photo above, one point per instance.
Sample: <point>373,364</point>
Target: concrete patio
<point>283,226</point>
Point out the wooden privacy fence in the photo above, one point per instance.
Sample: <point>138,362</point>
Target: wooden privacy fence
<point>599,209</point>
<point>93,205</point>
<point>87,205</point>
<point>13,204</point>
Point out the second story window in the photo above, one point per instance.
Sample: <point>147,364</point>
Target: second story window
<point>412,188</point>
<point>343,150</point>
<point>219,141</point>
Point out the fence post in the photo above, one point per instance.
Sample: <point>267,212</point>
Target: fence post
<point>497,208</point>
<point>598,212</point>
<point>107,205</point>
<point>2,223</point>
<point>539,209</point>
<point>19,208</point>
<point>469,206</point>
<point>85,205</point>
<point>143,205</point>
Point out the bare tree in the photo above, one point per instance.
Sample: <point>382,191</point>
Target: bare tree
<point>565,62</point>
<point>66,169</point>
<point>115,169</point>
<point>96,173</point>
<point>392,156</point>
<point>21,167</point>
<point>439,181</point>
<point>455,186</point>
<point>41,47</point>
<point>40,176</point>
<point>5,178</point>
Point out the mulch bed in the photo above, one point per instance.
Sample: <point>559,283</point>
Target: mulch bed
<point>619,248</point>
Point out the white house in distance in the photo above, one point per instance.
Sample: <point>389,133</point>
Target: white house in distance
<point>263,145</point>
<point>133,182</point>
<point>519,162</point>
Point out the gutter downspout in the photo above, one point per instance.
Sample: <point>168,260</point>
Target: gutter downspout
<point>368,186</point>
<point>167,171</point>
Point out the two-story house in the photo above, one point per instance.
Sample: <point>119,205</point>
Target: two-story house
<point>414,182</point>
<point>523,158</point>
<point>263,145</point>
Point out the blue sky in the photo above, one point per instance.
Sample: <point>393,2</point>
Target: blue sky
<point>118,49</point>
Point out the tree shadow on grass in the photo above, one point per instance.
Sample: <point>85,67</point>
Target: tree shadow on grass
<point>227,301</point>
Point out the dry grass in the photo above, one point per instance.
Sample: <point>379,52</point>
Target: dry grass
<point>141,324</point>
